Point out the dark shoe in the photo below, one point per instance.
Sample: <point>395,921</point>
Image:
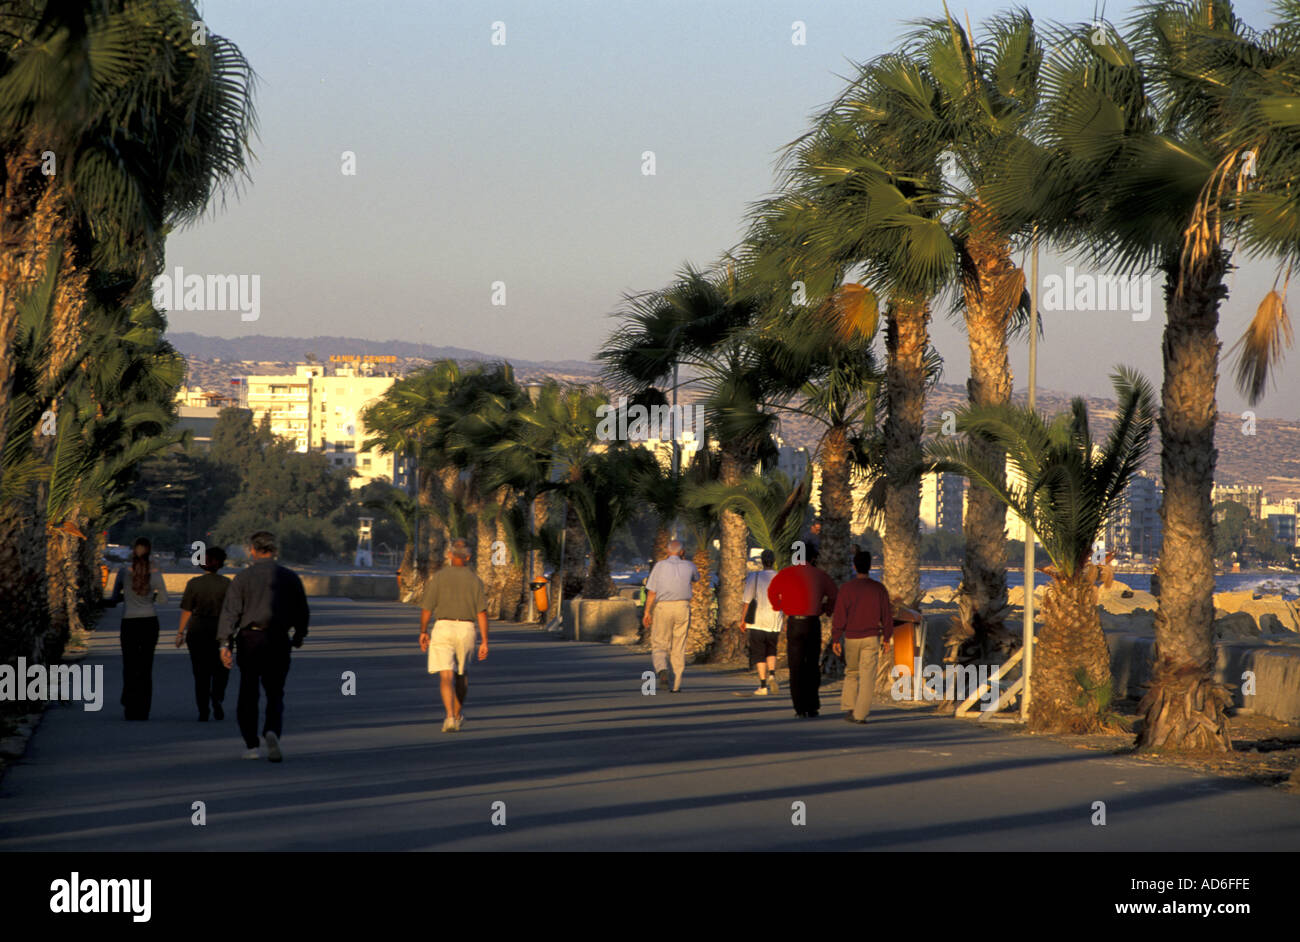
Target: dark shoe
<point>661,679</point>
<point>217,712</point>
<point>203,717</point>
<point>812,713</point>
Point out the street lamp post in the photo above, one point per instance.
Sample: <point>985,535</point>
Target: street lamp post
<point>1027,663</point>
<point>534,391</point>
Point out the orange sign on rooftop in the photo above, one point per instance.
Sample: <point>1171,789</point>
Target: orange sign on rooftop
<point>362,358</point>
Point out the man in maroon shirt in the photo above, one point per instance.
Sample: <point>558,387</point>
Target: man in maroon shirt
<point>803,592</point>
<point>861,627</point>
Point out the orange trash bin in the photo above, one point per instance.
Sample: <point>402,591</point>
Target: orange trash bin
<point>907,623</point>
<point>541,594</point>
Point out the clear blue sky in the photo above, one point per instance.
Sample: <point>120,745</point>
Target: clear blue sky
<point>522,163</point>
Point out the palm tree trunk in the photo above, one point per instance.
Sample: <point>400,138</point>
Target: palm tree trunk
<point>541,516</point>
<point>1071,638</point>
<point>484,536</point>
<point>24,593</point>
<point>407,574</point>
<point>699,638</point>
<point>733,555</point>
<point>906,340</point>
<point>836,505</point>
<point>599,585</point>
<point>510,576</point>
<point>989,303</point>
<point>32,219</point>
<point>1184,707</point>
<point>29,210</point>
<point>63,552</point>
<point>663,536</point>
<point>573,574</point>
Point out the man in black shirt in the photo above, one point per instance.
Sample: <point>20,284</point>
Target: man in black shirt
<point>200,612</point>
<point>265,602</point>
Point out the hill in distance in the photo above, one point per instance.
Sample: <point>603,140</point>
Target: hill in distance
<point>1270,457</point>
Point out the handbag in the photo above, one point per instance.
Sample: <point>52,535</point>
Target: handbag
<point>751,611</point>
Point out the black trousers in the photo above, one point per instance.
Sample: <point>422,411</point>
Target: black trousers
<point>263,659</point>
<point>139,638</point>
<point>803,650</point>
<point>210,675</point>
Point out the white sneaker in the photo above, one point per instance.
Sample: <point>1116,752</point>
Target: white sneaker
<point>252,754</point>
<point>273,748</point>
<point>449,725</point>
<point>761,692</point>
<point>456,726</point>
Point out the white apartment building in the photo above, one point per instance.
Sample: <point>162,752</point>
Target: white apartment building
<point>943,503</point>
<point>319,408</point>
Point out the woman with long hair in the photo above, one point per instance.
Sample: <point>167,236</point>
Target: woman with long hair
<point>139,585</point>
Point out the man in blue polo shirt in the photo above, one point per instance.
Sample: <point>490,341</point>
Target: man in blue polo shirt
<point>668,613</point>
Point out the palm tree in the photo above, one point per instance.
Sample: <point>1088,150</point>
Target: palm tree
<point>982,96</point>
<point>861,197</point>
<point>402,509</point>
<point>409,420</point>
<point>771,505</point>
<point>834,381</point>
<point>604,503</point>
<point>661,493</point>
<point>1140,169</point>
<point>559,431</point>
<point>702,322</point>
<point>146,126</point>
<point>1064,488</point>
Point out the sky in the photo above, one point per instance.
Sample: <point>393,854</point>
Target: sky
<point>521,163</point>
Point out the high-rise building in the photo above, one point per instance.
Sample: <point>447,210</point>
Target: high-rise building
<point>1250,496</point>
<point>319,408</point>
<point>1135,528</point>
<point>942,502</point>
<point>1282,521</point>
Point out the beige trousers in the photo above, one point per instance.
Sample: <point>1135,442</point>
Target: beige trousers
<point>860,656</point>
<point>668,625</point>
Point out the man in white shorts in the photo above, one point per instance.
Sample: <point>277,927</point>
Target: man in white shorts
<point>455,600</point>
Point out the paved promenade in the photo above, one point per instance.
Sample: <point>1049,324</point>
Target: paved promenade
<point>561,733</point>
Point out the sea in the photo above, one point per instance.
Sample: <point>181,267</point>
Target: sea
<point>1286,584</point>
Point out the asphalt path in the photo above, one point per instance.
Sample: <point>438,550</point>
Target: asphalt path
<point>561,750</point>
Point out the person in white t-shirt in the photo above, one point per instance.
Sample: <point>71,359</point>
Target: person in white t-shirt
<point>765,629</point>
<point>139,584</point>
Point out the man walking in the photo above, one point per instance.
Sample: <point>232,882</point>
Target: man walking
<point>765,629</point>
<point>861,627</point>
<point>263,605</point>
<point>804,593</point>
<point>455,600</point>
<point>668,613</point>
<point>200,613</point>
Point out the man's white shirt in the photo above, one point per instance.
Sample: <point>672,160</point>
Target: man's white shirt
<point>766,618</point>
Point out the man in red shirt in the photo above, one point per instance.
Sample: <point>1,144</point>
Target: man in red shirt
<point>861,627</point>
<point>804,593</point>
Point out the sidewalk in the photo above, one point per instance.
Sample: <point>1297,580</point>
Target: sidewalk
<point>561,733</point>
